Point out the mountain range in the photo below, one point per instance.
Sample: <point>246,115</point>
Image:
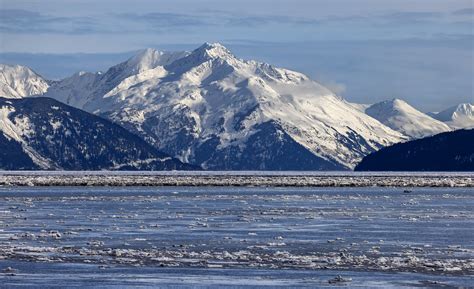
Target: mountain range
<point>208,107</point>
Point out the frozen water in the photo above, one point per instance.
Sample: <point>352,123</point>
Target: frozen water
<point>235,236</point>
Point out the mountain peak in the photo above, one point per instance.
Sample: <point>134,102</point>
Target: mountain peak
<point>213,50</point>
<point>402,105</point>
<point>390,106</point>
<point>458,116</point>
<point>451,113</point>
<point>401,116</point>
<point>17,81</point>
<point>211,45</point>
<point>398,101</point>
<point>467,108</point>
<point>393,103</point>
<point>20,70</point>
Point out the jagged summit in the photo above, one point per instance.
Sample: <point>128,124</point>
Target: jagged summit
<point>150,58</point>
<point>17,81</point>
<point>213,50</point>
<point>463,109</point>
<point>402,117</point>
<point>209,56</point>
<point>458,116</point>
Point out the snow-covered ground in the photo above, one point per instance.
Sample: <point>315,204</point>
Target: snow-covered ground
<point>183,236</point>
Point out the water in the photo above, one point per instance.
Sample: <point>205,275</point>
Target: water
<point>241,237</point>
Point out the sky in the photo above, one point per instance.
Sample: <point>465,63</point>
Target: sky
<point>365,50</point>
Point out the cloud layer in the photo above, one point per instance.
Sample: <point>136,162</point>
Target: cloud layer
<point>26,21</point>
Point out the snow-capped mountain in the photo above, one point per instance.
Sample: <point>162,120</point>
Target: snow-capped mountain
<point>42,133</point>
<point>18,81</point>
<point>211,108</point>
<point>402,117</point>
<point>459,116</point>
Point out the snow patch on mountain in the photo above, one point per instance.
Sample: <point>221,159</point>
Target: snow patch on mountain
<point>18,81</point>
<point>17,130</point>
<point>402,117</point>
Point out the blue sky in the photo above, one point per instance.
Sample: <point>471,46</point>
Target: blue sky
<point>366,50</point>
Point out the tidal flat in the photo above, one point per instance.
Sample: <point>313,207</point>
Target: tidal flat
<point>199,237</point>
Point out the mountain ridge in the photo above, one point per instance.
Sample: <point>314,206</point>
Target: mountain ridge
<point>52,135</point>
<point>184,102</point>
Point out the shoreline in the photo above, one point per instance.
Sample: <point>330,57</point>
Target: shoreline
<point>235,179</point>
